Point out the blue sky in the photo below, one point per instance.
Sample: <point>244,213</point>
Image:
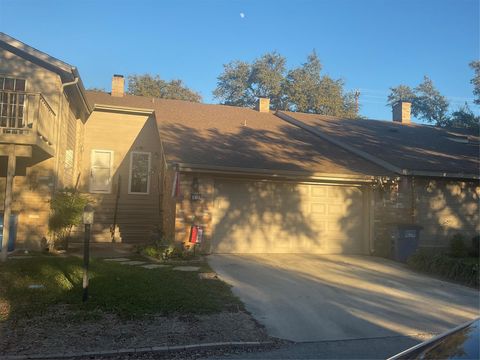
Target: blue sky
<point>371,44</point>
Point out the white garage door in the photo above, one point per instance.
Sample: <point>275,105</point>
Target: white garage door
<point>269,217</point>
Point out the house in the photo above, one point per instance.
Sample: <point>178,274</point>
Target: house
<point>43,111</point>
<point>252,180</point>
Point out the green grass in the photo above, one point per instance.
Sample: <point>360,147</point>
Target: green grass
<point>128,291</point>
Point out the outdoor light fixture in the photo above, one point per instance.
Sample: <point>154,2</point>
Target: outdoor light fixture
<point>88,213</point>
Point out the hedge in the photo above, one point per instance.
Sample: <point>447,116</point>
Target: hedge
<point>463,270</point>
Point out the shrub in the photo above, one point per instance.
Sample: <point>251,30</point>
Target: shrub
<point>458,248</point>
<point>66,211</point>
<point>166,249</point>
<point>475,246</point>
<point>151,251</point>
<point>462,270</point>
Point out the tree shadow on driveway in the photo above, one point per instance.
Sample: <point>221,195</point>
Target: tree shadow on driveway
<point>335,297</point>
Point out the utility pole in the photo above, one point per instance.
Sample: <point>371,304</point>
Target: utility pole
<point>356,95</point>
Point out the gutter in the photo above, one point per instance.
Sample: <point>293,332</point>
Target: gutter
<point>386,165</point>
<point>297,175</point>
<point>123,109</point>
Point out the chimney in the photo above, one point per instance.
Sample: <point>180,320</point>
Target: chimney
<point>401,112</point>
<point>263,105</point>
<point>118,85</point>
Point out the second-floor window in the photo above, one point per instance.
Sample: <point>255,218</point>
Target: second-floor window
<point>12,102</point>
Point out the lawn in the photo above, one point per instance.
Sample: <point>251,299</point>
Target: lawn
<point>127,291</point>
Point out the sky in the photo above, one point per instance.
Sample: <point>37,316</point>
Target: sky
<point>371,45</point>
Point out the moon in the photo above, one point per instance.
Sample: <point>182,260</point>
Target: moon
<point>242,15</point>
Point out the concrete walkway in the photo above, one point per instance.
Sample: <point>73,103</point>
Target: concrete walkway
<point>334,297</point>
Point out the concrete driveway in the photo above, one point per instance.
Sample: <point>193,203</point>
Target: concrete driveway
<point>336,297</point>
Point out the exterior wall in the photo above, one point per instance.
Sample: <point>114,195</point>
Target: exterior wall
<point>169,204</point>
<point>201,211</point>
<point>442,207</point>
<point>137,215</point>
<point>446,208</point>
<point>38,79</point>
<point>198,212</point>
<point>37,178</point>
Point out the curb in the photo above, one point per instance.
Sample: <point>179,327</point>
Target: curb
<point>154,349</point>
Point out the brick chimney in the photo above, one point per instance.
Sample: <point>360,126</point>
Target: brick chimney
<point>401,112</point>
<point>118,85</point>
<point>263,105</point>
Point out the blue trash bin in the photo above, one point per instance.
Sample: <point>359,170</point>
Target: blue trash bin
<point>13,231</point>
<point>406,238</point>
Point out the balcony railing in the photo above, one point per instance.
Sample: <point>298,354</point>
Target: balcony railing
<point>26,118</point>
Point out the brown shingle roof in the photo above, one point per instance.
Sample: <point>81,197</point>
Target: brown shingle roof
<point>407,146</point>
<point>218,135</point>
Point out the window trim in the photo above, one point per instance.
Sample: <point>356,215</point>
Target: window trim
<point>109,190</point>
<point>148,173</point>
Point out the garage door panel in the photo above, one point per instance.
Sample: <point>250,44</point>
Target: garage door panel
<point>269,217</point>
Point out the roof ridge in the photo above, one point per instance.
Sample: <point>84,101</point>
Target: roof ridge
<point>30,50</point>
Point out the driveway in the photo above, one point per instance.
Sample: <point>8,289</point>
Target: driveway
<point>336,297</point>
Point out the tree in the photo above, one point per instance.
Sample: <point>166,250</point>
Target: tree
<point>475,65</point>
<point>300,89</point>
<point>233,84</point>
<point>464,118</point>
<point>429,104</point>
<point>302,84</point>
<point>154,86</point>
<point>241,83</point>
<point>400,93</point>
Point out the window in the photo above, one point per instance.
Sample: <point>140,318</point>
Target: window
<point>139,179</point>
<point>101,171</point>
<point>12,102</point>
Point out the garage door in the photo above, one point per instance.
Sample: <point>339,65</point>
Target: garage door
<point>269,217</point>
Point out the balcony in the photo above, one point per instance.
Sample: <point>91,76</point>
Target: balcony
<point>27,119</point>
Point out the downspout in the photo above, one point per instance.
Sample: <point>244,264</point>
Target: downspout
<point>60,113</point>
<point>414,205</point>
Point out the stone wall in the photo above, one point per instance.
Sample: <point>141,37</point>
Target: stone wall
<point>194,206</point>
<point>442,207</point>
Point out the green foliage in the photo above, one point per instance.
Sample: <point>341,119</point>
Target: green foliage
<point>464,118</point>
<point>123,290</point>
<point>475,246</point>
<point>429,104</point>
<point>463,270</point>
<point>458,248</point>
<point>300,89</point>
<point>400,93</point>
<point>475,65</point>
<point>97,89</point>
<point>166,249</point>
<point>154,86</point>
<point>66,209</point>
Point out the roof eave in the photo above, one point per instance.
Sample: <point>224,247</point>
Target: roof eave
<point>272,173</point>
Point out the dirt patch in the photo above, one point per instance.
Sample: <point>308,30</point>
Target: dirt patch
<point>59,331</point>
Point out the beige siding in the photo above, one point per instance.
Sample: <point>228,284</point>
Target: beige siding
<point>37,178</point>
<point>138,215</point>
<point>38,79</point>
